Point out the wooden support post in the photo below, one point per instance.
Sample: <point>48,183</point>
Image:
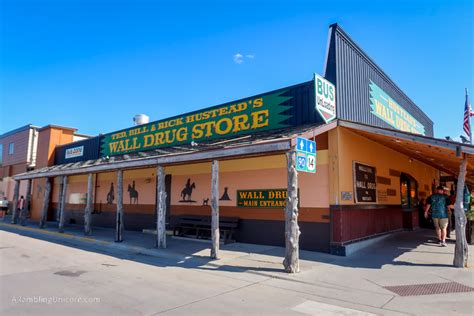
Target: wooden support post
<point>160,208</point>
<point>292,231</point>
<point>119,218</point>
<point>62,205</point>
<point>215,210</point>
<point>60,198</point>
<point>461,248</point>
<point>44,212</point>
<point>16,192</point>
<point>89,205</point>
<point>26,207</point>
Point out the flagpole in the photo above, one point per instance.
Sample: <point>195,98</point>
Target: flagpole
<point>469,116</point>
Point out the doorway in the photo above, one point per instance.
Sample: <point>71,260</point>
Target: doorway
<point>409,202</point>
<point>408,191</point>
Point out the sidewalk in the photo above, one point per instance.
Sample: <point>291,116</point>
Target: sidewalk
<point>385,278</point>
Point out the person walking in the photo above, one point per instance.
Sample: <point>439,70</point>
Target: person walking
<point>450,227</point>
<point>20,206</point>
<point>439,203</point>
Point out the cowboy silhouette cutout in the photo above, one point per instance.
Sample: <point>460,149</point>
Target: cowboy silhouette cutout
<point>133,193</point>
<point>188,191</point>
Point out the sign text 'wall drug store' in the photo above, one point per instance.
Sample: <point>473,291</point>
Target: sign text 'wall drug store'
<point>259,113</point>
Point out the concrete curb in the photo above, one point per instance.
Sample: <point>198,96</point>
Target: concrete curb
<point>117,246</point>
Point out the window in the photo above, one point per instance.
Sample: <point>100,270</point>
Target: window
<point>11,148</point>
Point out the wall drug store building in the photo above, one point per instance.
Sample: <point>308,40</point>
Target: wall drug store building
<point>376,156</point>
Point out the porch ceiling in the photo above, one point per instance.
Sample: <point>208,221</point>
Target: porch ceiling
<point>438,153</point>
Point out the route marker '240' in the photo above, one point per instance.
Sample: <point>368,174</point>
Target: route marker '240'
<point>305,155</point>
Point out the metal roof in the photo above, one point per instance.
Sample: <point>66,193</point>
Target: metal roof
<point>352,71</point>
<point>19,129</point>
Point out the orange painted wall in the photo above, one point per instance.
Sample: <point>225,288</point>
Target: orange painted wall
<point>346,146</point>
<point>248,173</point>
<point>48,138</point>
<point>145,184</point>
<point>252,173</point>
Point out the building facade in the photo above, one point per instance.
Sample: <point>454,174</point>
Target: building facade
<point>375,159</point>
<point>19,152</point>
<point>17,155</point>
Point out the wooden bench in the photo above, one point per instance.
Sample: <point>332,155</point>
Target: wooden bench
<point>196,225</point>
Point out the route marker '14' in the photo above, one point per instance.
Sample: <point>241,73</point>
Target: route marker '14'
<point>305,155</point>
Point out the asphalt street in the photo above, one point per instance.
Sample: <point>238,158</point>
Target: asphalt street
<point>43,276</point>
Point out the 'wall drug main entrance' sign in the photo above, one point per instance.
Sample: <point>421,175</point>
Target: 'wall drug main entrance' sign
<point>262,198</point>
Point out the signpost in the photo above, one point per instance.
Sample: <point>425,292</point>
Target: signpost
<point>305,155</point>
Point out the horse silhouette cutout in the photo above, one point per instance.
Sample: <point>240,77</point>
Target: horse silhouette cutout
<point>188,191</point>
<point>205,201</point>
<point>133,193</point>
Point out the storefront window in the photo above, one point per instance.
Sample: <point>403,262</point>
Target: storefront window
<point>408,191</point>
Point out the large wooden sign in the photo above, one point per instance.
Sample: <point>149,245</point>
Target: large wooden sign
<point>365,184</point>
<point>256,114</point>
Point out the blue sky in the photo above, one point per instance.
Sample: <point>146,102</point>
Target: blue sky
<point>92,65</point>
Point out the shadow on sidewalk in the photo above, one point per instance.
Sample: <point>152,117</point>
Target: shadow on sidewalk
<point>263,259</point>
<point>409,248</point>
<point>179,254</point>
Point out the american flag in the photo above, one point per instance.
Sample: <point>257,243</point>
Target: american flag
<point>467,117</point>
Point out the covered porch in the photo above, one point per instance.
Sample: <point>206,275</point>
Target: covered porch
<point>408,171</point>
<point>212,153</point>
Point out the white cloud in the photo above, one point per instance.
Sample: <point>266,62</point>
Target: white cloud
<point>240,58</point>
